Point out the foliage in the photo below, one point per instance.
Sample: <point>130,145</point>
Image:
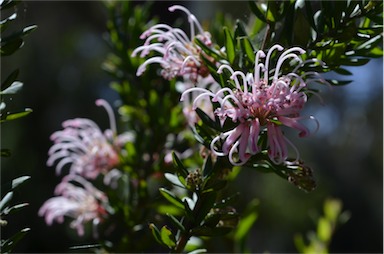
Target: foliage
<point>10,43</point>
<point>320,240</point>
<point>170,174</point>
<point>7,208</point>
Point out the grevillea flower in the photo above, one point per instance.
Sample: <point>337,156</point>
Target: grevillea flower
<point>83,146</point>
<point>79,200</point>
<point>258,103</point>
<point>188,111</point>
<point>178,54</point>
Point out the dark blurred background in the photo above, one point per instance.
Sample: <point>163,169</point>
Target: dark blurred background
<point>60,66</point>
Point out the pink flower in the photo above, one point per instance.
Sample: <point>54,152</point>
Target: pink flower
<point>188,111</point>
<point>77,199</point>
<point>258,103</point>
<point>85,148</point>
<point>178,54</point>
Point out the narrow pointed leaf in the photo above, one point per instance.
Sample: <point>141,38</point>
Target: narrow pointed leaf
<point>173,179</point>
<point>229,45</point>
<point>176,222</point>
<point>180,166</point>
<point>156,233</point>
<point>16,182</point>
<point>171,198</point>
<point>167,237</point>
<point>255,9</point>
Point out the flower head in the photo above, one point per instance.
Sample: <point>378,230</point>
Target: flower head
<point>85,147</point>
<point>258,103</point>
<point>77,199</point>
<point>179,54</point>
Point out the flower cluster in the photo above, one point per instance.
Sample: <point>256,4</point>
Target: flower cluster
<point>255,102</point>
<point>78,199</point>
<point>258,102</point>
<point>179,54</point>
<point>89,153</point>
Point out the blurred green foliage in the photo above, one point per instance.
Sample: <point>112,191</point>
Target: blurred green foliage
<point>11,41</point>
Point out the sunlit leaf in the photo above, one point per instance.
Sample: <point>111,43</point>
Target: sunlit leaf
<point>20,180</point>
<point>13,88</point>
<point>14,208</point>
<point>255,9</point>
<point>167,237</point>
<point>5,200</point>
<point>171,197</point>
<point>13,116</point>
<point>173,179</point>
<point>229,45</point>
<point>156,233</point>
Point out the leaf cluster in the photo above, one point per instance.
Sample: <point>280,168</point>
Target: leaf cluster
<point>6,208</point>
<point>10,42</point>
<point>204,212</point>
<point>319,241</point>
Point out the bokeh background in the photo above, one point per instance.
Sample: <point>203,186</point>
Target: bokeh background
<point>60,65</point>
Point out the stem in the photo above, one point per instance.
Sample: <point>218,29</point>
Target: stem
<point>182,242</point>
<point>267,36</point>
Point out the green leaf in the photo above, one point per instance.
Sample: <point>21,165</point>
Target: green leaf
<point>319,21</point>
<point>176,222</point>
<point>342,71</point>
<point>13,89</point>
<point>7,245</point>
<point>204,205</point>
<point>13,116</point>
<point>309,12</point>
<point>10,79</point>
<point>207,167</point>
<point>229,45</point>
<point>370,43</point>
<point>6,4</point>
<point>335,82</point>
<point>255,9</point>
<point>156,233</point>
<point>174,180</point>
<point>11,46</point>
<point>5,200</point>
<point>245,225</point>
<point>167,237</point>
<point>332,209</point>
<point>354,61</point>
<point>207,120</point>
<point>245,44</point>
<point>179,165</point>
<point>172,198</point>
<point>210,52</point>
<point>324,230</point>
<point>20,180</point>
<point>15,208</point>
